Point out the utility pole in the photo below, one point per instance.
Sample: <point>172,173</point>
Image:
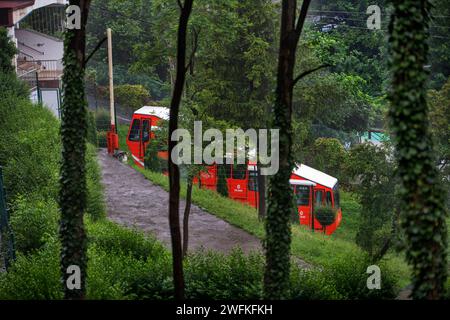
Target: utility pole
<point>112,137</point>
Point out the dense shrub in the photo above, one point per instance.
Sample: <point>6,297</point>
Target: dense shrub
<point>131,96</point>
<point>349,277</point>
<point>216,276</point>
<point>312,285</point>
<point>113,238</point>
<point>326,215</point>
<point>29,147</point>
<point>96,207</point>
<point>33,277</point>
<point>33,220</point>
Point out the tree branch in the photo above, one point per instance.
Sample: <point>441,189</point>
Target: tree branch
<point>304,74</point>
<point>301,19</point>
<point>95,50</point>
<point>194,48</point>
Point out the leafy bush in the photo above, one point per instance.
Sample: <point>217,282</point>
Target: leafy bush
<point>33,277</point>
<point>131,96</point>
<point>348,275</point>
<point>113,238</point>
<point>312,285</point>
<point>212,275</point>
<point>33,220</point>
<point>325,215</point>
<point>96,207</point>
<point>151,160</point>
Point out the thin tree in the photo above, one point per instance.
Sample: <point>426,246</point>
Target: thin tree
<point>423,211</point>
<point>174,171</point>
<point>72,194</point>
<point>280,196</point>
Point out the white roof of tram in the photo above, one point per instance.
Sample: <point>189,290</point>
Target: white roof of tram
<point>160,112</point>
<point>315,175</point>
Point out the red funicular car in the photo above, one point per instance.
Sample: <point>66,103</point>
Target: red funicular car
<point>142,127</point>
<point>315,188</point>
<point>312,188</point>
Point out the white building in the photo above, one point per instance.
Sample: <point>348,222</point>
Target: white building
<point>36,26</point>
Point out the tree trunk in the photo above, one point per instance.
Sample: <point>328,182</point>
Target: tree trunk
<point>174,171</point>
<point>72,195</point>
<point>187,211</point>
<point>280,195</point>
<point>423,211</point>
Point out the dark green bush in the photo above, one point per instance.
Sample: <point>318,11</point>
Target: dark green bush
<point>151,160</point>
<point>348,275</point>
<point>212,275</point>
<point>113,238</point>
<point>96,207</point>
<point>33,277</point>
<point>325,215</point>
<point>312,285</point>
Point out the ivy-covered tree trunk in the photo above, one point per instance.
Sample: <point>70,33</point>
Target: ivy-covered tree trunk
<point>72,195</point>
<point>280,196</point>
<point>423,210</point>
<point>174,170</point>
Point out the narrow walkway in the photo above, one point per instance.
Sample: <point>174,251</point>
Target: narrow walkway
<point>134,201</point>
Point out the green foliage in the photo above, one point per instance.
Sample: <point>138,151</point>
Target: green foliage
<point>151,160</point>
<point>95,201</point>
<point>222,187</point>
<point>7,53</point>
<point>423,208</point>
<point>327,155</point>
<point>372,173</point>
<point>326,215</point>
<point>217,276</point>
<point>312,285</point>
<point>33,277</point>
<point>92,129</point>
<point>114,239</point>
<point>102,120</point>
<point>132,97</point>
<point>33,220</point>
<point>348,274</point>
<point>29,147</point>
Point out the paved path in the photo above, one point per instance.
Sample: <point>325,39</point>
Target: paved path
<point>132,200</point>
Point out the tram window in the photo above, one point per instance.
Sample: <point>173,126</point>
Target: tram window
<point>336,198</point>
<point>328,198</point>
<point>302,195</point>
<point>319,197</point>
<point>253,181</point>
<point>135,132</point>
<point>239,171</point>
<point>146,131</point>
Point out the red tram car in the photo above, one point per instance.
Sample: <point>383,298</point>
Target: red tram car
<point>311,187</point>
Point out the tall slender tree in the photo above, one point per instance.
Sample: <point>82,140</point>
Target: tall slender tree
<point>174,171</point>
<point>423,210</point>
<point>280,197</point>
<point>72,195</point>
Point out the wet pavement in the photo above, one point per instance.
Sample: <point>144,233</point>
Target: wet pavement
<point>134,201</point>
